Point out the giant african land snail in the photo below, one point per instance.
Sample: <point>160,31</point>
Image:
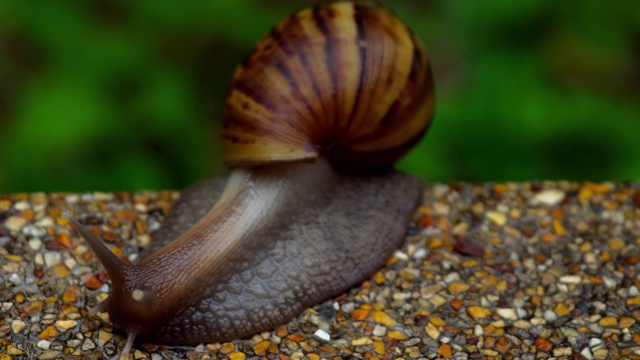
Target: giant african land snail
<point>315,117</point>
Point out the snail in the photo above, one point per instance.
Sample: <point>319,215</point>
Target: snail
<point>314,119</point>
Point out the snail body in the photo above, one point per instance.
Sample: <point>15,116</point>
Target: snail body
<point>314,119</point>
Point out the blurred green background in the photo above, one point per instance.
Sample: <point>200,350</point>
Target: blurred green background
<point>126,95</point>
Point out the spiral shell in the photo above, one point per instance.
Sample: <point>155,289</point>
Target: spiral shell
<point>345,80</point>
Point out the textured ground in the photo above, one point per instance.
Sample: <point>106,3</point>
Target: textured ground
<point>526,270</point>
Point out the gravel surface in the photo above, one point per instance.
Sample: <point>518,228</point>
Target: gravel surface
<point>513,271</point>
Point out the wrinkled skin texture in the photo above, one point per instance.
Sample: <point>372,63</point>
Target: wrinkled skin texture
<point>318,246</point>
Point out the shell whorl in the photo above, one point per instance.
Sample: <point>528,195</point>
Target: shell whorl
<point>345,80</point>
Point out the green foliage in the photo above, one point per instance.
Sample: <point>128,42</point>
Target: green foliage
<point>115,95</point>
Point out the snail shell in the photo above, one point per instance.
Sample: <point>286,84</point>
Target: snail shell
<point>345,80</point>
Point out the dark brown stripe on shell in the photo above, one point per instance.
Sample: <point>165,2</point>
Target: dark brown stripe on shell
<point>321,22</point>
<point>254,127</point>
<point>295,123</point>
<point>256,96</point>
<point>279,38</point>
<point>359,17</point>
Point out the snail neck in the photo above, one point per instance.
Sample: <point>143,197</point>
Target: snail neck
<point>253,198</point>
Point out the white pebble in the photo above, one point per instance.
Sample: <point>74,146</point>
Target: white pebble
<point>522,313</point>
<point>323,335</point>
<point>46,221</point>
<point>38,260</point>
<point>507,313</point>
<point>537,321</point>
<point>550,315</point>
<point>70,263</point>
<point>548,197</point>
<point>379,330</point>
<point>15,279</point>
<point>102,196</point>
<point>633,291</point>
<point>21,206</point>
<point>439,190</point>
<point>43,344</point>
<point>595,343</point>
<point>420,253</point>
<point>52,259</point>
<point>478,330</point>
<point>72,199</point>
<point>586,353</point>
<point>15,223</point>
<point>34,231</point>
<point>348,307</point>
<point>452,277</point>
<point>401,296</point>
<point>571,279</point>
<point>64,325</point>
<point>441,209</point>
<point>35,244</point>
<point>17,326</point>
<point>610,282</point>
<point>400,255</point>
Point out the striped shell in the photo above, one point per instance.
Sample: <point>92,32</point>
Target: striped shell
<point>345,80</point>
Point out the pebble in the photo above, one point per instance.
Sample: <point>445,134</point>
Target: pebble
<point>507,313</point>
<point>52,259</point>
<point>64,325</point>
<point>601,354</point>
<point>497,217</point>
<point>104,337</point>
<point>236,356</point>
<point>361,341</point>
<point>562,351</point>
<point>543,345</point>
<point>397,335</point>
<point>432,331</point>
<point>608,321</point>
<point>35,244</point>
<point>61,271</point>
<point>561,310</point>
<point>323,335</point>
<point>88,345</point>
<point>379,330</point>
<point>616,244</point>
<point>15,223</point>
<point>458,287</point>
<point>549,315</point>
<point>445,350</point>
<point>478,312</point>
<point>626,322</point>
<point>17,326</point>
<point>15,279</point>
<point>48,333</point>
<point>50,354</point>
<point>522,324</point>
<point>382,318</point>
<point>43,344</point>
<point>571,279</point>
<point>586,352</point>
<point>548,197</point>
